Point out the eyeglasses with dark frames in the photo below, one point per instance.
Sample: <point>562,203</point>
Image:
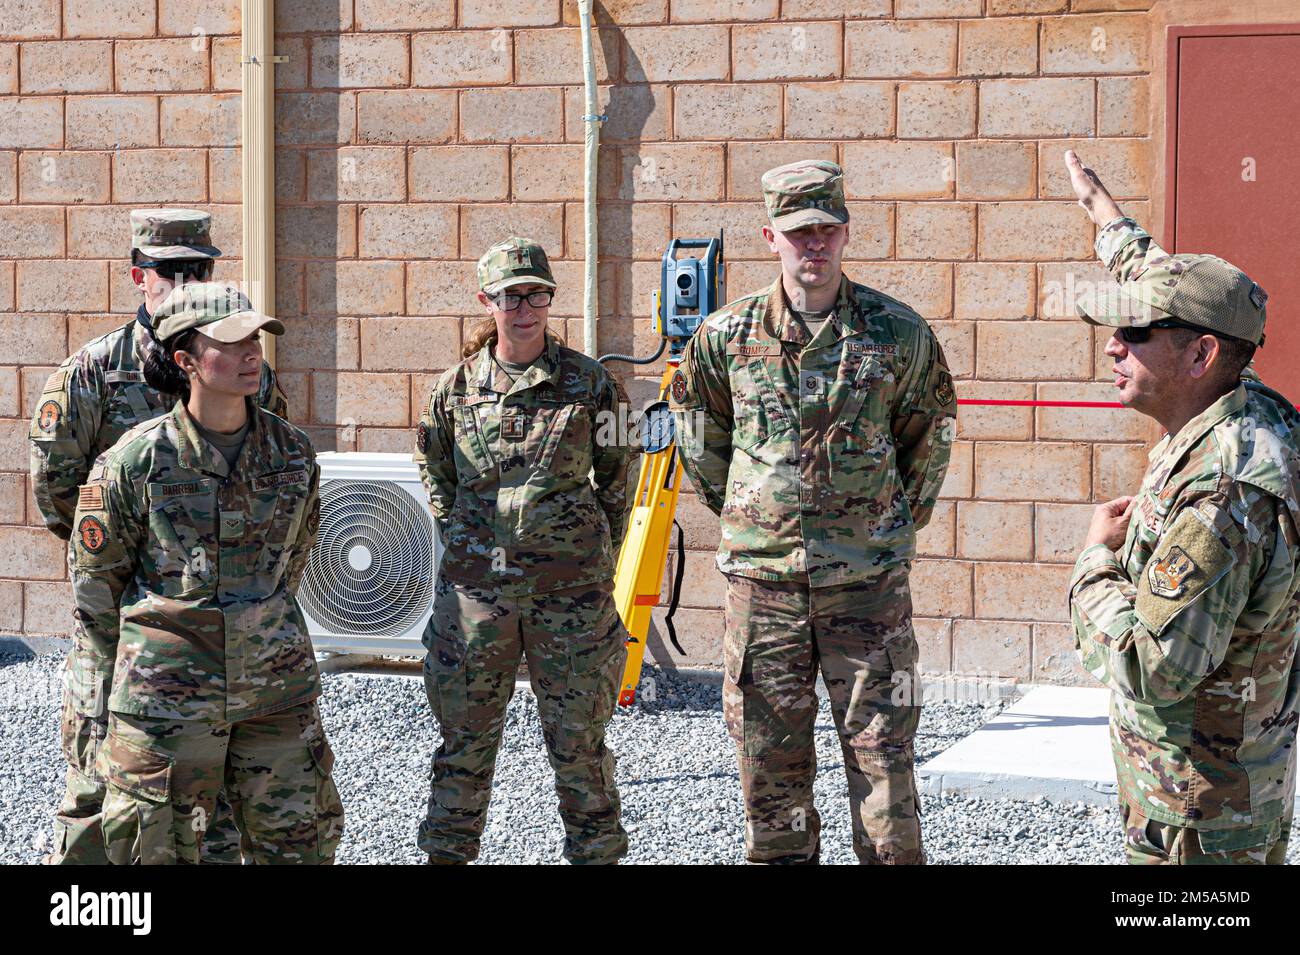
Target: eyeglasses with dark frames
<point>1141,334</point>
<point>508,302</point>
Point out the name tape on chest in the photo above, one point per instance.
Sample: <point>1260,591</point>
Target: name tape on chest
<point>470,401</point>
<point>1147,508</point>
<point>869,348</point>
<point>280,479</point>
<point>179,488</point>
<point>753,350</point>
<point>117,376</point>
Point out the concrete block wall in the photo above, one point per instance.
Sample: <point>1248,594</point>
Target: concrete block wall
<point>104,106</point>
<point>412,135</point>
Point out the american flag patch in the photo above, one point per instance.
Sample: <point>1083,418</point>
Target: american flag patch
<point>91,497</point>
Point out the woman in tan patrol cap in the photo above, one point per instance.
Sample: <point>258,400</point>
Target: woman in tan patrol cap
<point>188,543</point>
<point>530,495</point>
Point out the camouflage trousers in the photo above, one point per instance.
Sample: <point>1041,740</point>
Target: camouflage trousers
<point>78,835</point>
<point>164,775</point>
<point>777,635</point>
<point>1149,842</point>
<point>573,641</point>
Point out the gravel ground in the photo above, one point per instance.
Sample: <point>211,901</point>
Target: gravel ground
<point>676,770</point>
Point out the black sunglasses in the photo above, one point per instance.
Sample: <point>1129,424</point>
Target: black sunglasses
<point>1141,334</point>
<point>197,270</point>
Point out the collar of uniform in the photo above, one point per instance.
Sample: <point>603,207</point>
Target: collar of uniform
<point>488,374</point>
<point>141,335</point>
<point>1191,433</point>
<point>195,454</point>
<point>779,321</point>
<point>143,317</point>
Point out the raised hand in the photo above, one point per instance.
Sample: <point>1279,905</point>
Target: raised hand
<point>1092,195</point>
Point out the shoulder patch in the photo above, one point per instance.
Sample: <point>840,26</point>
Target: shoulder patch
<point>677,388</point>
<point>92,534</point>
<point>49,416</point>
<point>1168,576</point>
<point>422,437</point>
<point>943,391</point>
<point>1189,558</point>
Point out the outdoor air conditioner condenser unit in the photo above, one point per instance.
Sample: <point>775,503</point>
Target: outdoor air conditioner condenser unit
<point>368,587</point>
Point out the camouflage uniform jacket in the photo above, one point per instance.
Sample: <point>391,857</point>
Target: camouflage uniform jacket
<point>96,396</point>
<point>822,456</point>
<point>527,479</point>
<point>1193,624</point>
<point>184,570</point>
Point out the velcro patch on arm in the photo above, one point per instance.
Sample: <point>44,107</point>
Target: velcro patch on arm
<point>679,390</point>
<point>58,378</point>
<point>1189,558</point>
<point>91,497</point>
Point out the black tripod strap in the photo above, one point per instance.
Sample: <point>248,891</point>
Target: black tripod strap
<point>677,587</point>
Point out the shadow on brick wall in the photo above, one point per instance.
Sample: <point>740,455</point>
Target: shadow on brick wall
<point>314,123</point>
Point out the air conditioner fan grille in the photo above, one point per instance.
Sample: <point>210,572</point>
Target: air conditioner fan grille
<point>371,571</point>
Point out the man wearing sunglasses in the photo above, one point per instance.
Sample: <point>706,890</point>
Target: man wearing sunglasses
<point>1184,599</point>
<point>91,400</point>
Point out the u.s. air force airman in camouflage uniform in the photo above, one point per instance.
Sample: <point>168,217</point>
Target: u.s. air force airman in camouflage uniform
<point>815,418</point>
<point>1193,623</point>
<point>527,478</point>
<point>184,567</point>
<point>95,397</point>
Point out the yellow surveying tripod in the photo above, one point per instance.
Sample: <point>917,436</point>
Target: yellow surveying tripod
<point>689,289</point>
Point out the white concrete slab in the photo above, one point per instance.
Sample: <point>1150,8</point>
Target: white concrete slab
<point>1053,742</point>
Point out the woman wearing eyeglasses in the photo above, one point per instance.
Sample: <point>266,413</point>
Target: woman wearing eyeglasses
<point>526,470</point>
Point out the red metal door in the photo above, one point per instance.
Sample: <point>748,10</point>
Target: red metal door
<point>1235,179</point>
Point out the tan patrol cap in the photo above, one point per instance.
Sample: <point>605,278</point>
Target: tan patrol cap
<point>1201,290</point>
<point>219,311</point>
<point>172,234</point>
<point>804,193</point>
<point>514,261</point>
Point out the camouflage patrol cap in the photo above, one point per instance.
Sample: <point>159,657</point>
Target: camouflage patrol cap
<point>219,311</point>
<point>172,234</point>
<point>804,193</point>
<point>1201,290</point>
<point>513,261</point>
